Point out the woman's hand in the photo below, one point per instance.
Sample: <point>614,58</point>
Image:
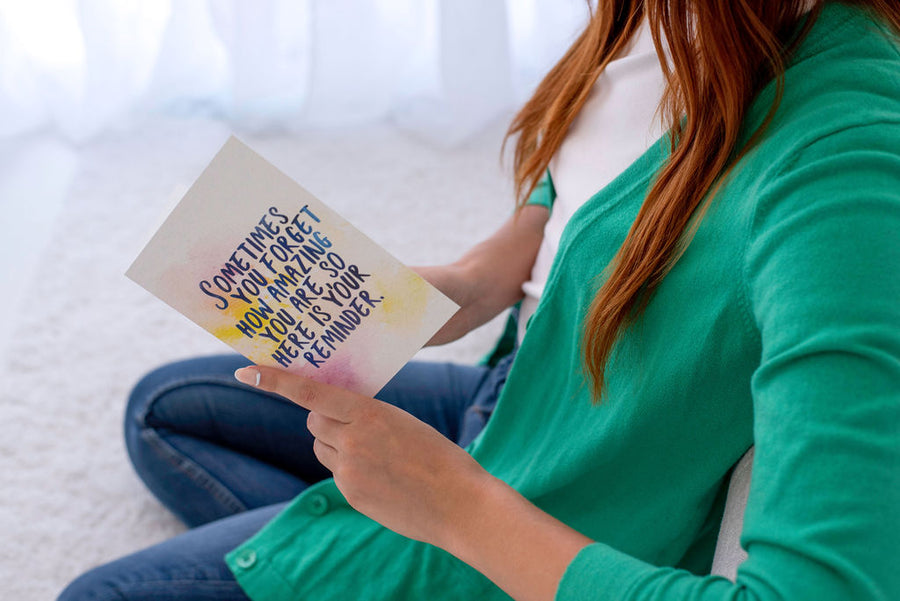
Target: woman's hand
<point>408,477</point>
<point>389,465</point>
<point>488,278</point>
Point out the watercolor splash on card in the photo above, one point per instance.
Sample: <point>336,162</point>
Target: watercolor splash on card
<point>267,268</point>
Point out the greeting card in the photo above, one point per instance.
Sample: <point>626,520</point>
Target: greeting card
<point>266,267</point>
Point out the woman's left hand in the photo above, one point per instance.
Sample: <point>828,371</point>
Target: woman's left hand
<point>389,465</point>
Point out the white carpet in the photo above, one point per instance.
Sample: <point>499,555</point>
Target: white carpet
<point>84,333</point>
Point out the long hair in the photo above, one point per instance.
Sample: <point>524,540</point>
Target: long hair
<point>720,55</point>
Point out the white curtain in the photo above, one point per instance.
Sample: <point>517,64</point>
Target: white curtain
<point>441,68</point>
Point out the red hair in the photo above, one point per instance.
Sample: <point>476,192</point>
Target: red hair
<point>722,52</point>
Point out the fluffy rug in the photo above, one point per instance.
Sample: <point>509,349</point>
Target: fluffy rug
<point>85,333</point>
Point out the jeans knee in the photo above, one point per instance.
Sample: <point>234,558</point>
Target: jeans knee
<point>144,411</point>
<point>141,399</point>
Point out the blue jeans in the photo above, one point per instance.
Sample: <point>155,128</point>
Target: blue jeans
<point>225,458</point>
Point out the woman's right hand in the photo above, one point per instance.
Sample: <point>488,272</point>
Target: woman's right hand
<point>488,278</point>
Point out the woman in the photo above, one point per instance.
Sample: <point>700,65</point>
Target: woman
<point>736,284</point>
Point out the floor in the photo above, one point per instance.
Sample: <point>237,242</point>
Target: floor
<point>35,175</point>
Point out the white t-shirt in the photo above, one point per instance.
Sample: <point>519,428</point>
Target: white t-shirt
<point>616,125</point>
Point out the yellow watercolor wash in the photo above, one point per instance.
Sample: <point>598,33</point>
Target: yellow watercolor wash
<point>228,331</point>
<point>415,294</point>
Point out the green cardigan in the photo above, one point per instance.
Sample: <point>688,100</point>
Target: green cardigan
<point>779,326</point>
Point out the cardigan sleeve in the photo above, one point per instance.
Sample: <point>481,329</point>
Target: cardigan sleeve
<point>822,288</point>
<point>544,193</point>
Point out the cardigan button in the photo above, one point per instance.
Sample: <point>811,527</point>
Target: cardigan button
<point>317,504</point>
<point>246,559</point>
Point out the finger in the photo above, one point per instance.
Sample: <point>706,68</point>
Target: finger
<point>326,454</point>
<point>324,428</point>
<point>336,403</point>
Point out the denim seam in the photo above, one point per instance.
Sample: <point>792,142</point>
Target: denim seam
<point>170,454</point>
<point>217,584</point>
<point>192,470</point>
<point>113,594</point>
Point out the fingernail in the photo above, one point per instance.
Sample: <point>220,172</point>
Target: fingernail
<point>247,375</point>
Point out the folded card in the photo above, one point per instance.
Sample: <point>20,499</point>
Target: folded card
<point>259,262</point>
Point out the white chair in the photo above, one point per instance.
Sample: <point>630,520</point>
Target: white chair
<point>729,554</point>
